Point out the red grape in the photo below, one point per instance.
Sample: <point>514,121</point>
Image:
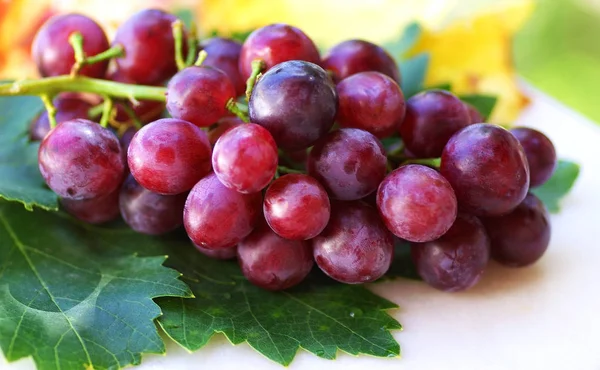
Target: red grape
<point>272,262</point>
<point>487,168</point>
<point>53,54</point>
<point>220,254</point>
<point>67,108</point>
<point>521,237</point>
<point>296,207</point>
<point>355,247</point>
<point>81,160</point>
<point>169,156</point>
<point>296,101</point>
<point>245,158</point>
<point>224,54</point>
<point>94,210</point>
<point>416,203</point>
<point>274,44</point>
<point>199,95</point>
<point>221,127</point>
<point>432,117</point>
<point>350,163</point>
<point>540,153</point>
<point>217,217</point>
<point>355,56</point>
<point>371,101</point>
<point>457,260</point>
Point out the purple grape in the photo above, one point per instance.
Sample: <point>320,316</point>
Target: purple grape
<point>81,160</point>
<point>416,203</point>
<point>94,210</point>
<point>224,54</point>
<point>220,254</point>
<point>67,107</point>
<point>217,217</point>
<point>457,260</point>
<point>474,114</point>
<point>540,153</point>
<point>296,207</point>
<point>350,163</point>
<point>521,237</point>
<point>355,247</point>
<point>272,262</point>
<point>487,168</point>
<point>296,101</point>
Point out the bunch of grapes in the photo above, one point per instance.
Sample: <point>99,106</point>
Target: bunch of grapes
<point>302,176</point>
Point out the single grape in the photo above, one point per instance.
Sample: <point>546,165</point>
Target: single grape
<point>67,107</point>
<point>53,54</point>
<point>355,56</point>
<point>540,153</point>
<point>220,254</point>
<point>487,168</point>
<point>217,217</point>
<point>245,158</point>
<point>432,117</point>
<point>221,126</point>
<point>296,207</point>
<point>372,102</point>
<point>81,160</point>
<point>94,210</point>
<point>224,54</point>
<point>520,237</point>
<point>149,47</point>
<point>169,156</point>
<point>272,262</point>
<point>416,203</point>
<point>474,114</point>
<point>455,261</point>
<point>145,110</point>
<point>150,213</point>
<point>199,95</point>
<point>355,247</point>
<point>296,101</point>
<point>350,163</point>
<point>274,44</point>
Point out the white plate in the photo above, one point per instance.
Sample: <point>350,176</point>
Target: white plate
<point>542,317</point>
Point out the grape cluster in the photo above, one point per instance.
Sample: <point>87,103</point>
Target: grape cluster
<point>307,179</point>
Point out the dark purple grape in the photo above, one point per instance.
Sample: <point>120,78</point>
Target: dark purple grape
<point>53,54</point>
<point>149,47</point>
<point>355,247</point>
<point>245,158</point>
<point>94,210</point>
<point>350,163</point>
<point>416,203</point>
<point>220,254</point>
<point>371,101</point>
<point>221,127</point>
<point>199,95</point>
<point>274,44</point>
<point>432,117</point>
<point>296,101</point>
<point>169,156</point>
<point>217,217</point>
<point>296,207</point>
<point>272,262</point>
<point>540,153</point>
<point>521,237</point>
<point>81,160</point>
<point>224,54</point>
<point>457,260</point>
<point>67,108</point>
<point>355,56</point>
<point>487,168</point>
<point>150,213</point>
<point>474,114</point>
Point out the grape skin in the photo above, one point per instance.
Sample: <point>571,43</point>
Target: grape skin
<point>220,254</point>
<point>221,126</point>
<point>94,210</point>
<point>224,54</point>
<point>540,153</point>
<point>67,108</point>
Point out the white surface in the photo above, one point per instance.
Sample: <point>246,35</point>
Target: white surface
<point>542,317</point>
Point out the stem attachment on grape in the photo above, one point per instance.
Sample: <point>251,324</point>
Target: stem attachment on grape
<point>50,108</point>
<point>107,111</point>
<point>177,27</point>
<point>81,60</point>
<point>238,109</point>
<point>201,58</point>
<point>258,65</point>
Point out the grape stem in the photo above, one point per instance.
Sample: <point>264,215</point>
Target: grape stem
<point>81,60</point>
<point>240,110</point>
<point>177,27</point>
<point>201,58</point>
<point>192,43</point>
<point>284,169</point>
<point>258,65</point>
<point>50,108</point>
<point>106,112</point>
<point>432,162</point>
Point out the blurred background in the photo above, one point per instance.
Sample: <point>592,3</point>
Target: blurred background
<point>477,46</point>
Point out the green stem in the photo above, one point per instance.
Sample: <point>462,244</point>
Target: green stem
<point>284,169</point>
<point>50,108</point>
<point>432,162</point>
<point>236,108</point>
<point>106,112</point>
<point>76,41</point>
<point>54,85</point>
<point>201,58</point>
<point>192,44</point>
<point>257,67</point>
<point>134,118</point>
<point>114,52</point>
<point>177,27</point>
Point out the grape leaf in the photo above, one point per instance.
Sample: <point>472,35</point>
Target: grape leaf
<point>413,72</point>
<point>20,179</point>
<point>402,265</point>
<point>559,185</point>
<point>73,296</point>
<point>483,103</point>
<point>320,315</point>
<point>407,40</point>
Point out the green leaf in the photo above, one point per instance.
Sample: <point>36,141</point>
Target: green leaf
<point>559,185</point>
<point>483,103</point>
<point>409,38</point>
<point>413,72</point>
<point>402,265</point>
<point>74,296</point>
<point>186,16</point>
<point>20,179</point>
<point>320,316</point>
